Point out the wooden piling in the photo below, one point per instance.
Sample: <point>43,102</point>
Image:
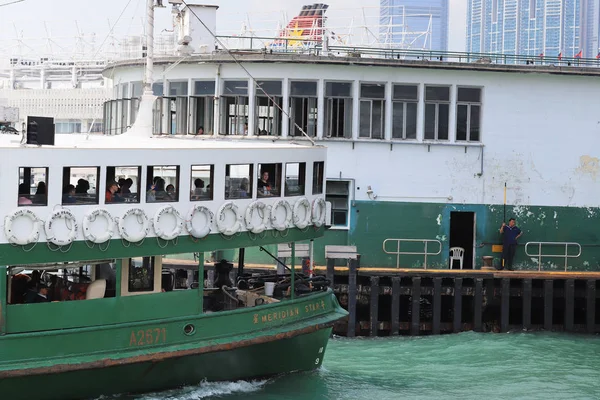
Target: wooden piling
<point>330,274</point>
<point>352,267</point>
<point>416,306</point>
<point>505,308</point>
<point>437,305</point>
<point>395,305</point>
<point>478,306</point>
<point>591,306</point>
<point>569,304</point>
<point>527,288</point>
<point>457,305</point>
<point>374,305</point>
<point>548,299</point>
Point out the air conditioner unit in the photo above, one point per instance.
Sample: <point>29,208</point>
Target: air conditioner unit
<point>328,214</point>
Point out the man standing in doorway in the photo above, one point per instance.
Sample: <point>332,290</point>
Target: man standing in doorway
<point>509,245</point>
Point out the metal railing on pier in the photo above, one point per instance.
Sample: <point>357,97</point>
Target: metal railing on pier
<point>424,253</point>
<point>539,255</point>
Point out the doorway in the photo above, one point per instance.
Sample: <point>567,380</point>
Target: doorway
<point>462,234</point>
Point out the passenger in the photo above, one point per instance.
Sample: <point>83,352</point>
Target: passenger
<point>200,130</point>
<point>112,195</point>
<point>40,194</point>
<point>82,187</point>
<point>264,187</point>
<point>198,187</point>
<point>157,190</point>
<point>244,188</point>
<point>171,193</point>
<point>23,193</point>
<point>42,294</point>
<point>69,195</point>
<point>121,184</point>
<point>126,188</point>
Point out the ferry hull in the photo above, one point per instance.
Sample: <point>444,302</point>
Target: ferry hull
<point>302,350</point>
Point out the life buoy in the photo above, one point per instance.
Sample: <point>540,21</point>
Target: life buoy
<point>25,240</point>
<point>90,218</point>
<point>235,227</point>
<point>260,207</point>
<point>281,225</point>
<point>319,209</point>
<point>142,219</point>
<point>71,223</point>
<point>189,222</point>
<point>302,223</point>
<point>176,231</point>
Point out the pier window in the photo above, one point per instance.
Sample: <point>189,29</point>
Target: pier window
<point>177,116</point>
<point>123,184</point>
<point>202,182</point>
<point>338,193</point>
<point>303,108</point>
<point>202,108</point>
<point>235,104</point>
<point>295,177</point>
<point>141,275</point>
<point>468,114</point>
<point>32,186</point>
<point>268,183</point>
<point>238,181</point>
<point>437,112</point>
<point>318,177</point>
<point>268,108</point>
<point>338,109</point>
<point>162,183</point>
<point>80,185</point>
<point>158,111</point>
<point>404,114</point>
<point>372,110</point>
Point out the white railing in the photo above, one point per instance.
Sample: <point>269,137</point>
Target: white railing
<point>539,255</point>
<point>424,253</point>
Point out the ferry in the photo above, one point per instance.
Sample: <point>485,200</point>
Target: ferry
<point>87,306</point>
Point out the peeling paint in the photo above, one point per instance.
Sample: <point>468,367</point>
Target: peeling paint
<point>591,212</point>
<point>441,238</point>
<point>589,166</point>
<point>439,219</point>
<point>555,215</point>
<point>586,263</point>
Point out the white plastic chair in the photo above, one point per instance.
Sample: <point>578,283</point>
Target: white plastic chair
<point>96,289</point>
<point>456,253</point>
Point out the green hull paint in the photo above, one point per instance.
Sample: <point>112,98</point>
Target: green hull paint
<point>372,222</point>
<point>105,358</point>
<point>82,251</point>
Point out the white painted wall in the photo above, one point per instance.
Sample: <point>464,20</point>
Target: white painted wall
<point>540,135</point>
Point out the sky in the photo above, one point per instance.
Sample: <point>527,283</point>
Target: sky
<point>36,20</point>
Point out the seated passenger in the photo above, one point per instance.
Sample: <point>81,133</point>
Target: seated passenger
<point>264,187</point>
<point>23,193</point>
<point>244,188</point>
<point>198,187</point>
<point>82,187</point>
<point>111,193</point>
<point>40,194</point>
<point>69,195</point>
<point>171,195</point>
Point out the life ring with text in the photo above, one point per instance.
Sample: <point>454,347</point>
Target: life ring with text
<point>25,240</point>
<point>261,208</point>
<point>302,223</point>
<point>176,231</point>
<point>233,228</point>
<point>204,230</point>
<point>71,223</point>
<point>319,209</point>
<point>142,220</point>
<point>277,224</point>
<point>90,218</point>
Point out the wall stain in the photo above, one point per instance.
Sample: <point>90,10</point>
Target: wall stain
<point>589,166</point>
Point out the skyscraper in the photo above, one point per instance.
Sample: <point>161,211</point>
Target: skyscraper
<point>415,24</point>
<point>533,27</point>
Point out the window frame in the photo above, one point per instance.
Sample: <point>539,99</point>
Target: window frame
<point>436,103</point>
<point>32,196</point>
<point>301,177</point>
<point>330,122</point>
<point>333,208</point>
<point>251,185</point>
<point>150,183</point>
<point>211,182</point>
<point>139,184</point>
<point>405,103</point>
<point>469,105</point>
<point>98,180</point>
<point>320,183</point>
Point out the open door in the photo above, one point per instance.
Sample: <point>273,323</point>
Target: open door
<point>462,234</point>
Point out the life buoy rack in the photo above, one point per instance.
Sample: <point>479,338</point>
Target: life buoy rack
<point>90,218</point>
<point>319,209</point>
<point>142,219</point>
<point>302,223</point>
<point>205,230</point>
<point>176,231</point>
<point>257,206</point>
<point>233,228</point>
<point>275,222</point>
<point>35,230</point>
<point>71,223</point>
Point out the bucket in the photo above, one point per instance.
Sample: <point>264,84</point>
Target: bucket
<point>269,288</point>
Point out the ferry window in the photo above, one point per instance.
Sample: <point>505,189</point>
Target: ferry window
<point>303,107</point>
<point>338,109</point>
<point>32,186</point>
<point>372,111</point>
<point>158,89</point>
<point>338,193</point>
<point>123,185</point>
<point>404,111</point>
<point>177,114</point>
<point>268,108</point>
<point>202,182</point>
<point>80,185</point>
<point>141,274</point>
<point>318,177</point>
<point>236,111</point>
<point>437,112</point>
<point>238,181</point>
<point>162,184</point>
<point>202,108</point>
<point>268,183</point>
<point>295,177</point>
<point>468,114</point>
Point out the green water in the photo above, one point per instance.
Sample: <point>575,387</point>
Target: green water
<point>462,366</point>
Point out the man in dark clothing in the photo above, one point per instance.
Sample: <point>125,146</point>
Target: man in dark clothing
<point>510,234</point>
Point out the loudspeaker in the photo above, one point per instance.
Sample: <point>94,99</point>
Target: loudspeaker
<point>40,130</point>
